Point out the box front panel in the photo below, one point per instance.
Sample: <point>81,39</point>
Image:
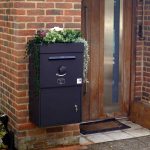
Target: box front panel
<point>61,105</point>
<point>63,69</point>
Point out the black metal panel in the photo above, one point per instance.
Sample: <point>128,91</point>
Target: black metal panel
<point>50,75</point>
<point>62,48</point>
<point>34,100</point>
<point>60,106</point>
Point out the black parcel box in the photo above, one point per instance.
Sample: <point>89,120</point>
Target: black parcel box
<point>60,85</point>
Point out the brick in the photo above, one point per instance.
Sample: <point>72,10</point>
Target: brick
<point>72,13</point>
<point>55,0</point>
<point>35,12</point>
<point>54,129</point>
<point>24,19</point>
<point>23,73</point>
<point>76,133</point>
<point>24,5</point>
<point>72,25</point>
<point>52,25</point>
<point>77,6</point>
<point>35,25</point>
<point>138,88</point>
<point>5,18</point>
<point>63,19</point>
<point>18,12</point>
<point>64,134</point>
<point>19,39</point>
<point>24,32</point>
<point>18,25</point>
<point>45,19</point>
<point>45,5</point>
<point>22,113</point>
<point>64,5</point>
<point>2,11</point>
<point>54,12</point>
<point>35,0</point>
<point>22,100</point>
<point>77,19</point>
<point>73,1</point>
<point>22,106</point>
<point>19,46</point>
<point>71,127</point>
<point>25,126</point>
<point>36,132</point>
<point>22,80</point>
<point>2,23</point>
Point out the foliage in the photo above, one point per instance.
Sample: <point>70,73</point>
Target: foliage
<point>55,35</point>
<point>86,57</point>
<point>33,50</point>
<point>2,134</point>
<point>62,36</point>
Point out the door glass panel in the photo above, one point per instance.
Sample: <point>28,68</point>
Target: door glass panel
<point>112,54</point>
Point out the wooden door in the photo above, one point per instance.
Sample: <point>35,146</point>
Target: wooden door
<point>93,18</point>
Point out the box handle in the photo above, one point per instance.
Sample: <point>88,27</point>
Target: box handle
<point>60,75</point>
<point>61,57</point>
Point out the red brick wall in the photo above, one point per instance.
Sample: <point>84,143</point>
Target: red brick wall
<point>146,57</point>
<point>18,22</point>
<point>139,57</point>
<point>142,86</point>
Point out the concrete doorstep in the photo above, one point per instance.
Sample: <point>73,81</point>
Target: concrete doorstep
<point>139,143</point>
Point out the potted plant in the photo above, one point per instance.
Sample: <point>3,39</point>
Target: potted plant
<point>52,36</point>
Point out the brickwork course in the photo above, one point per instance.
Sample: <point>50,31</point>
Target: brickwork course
<point>19,19</point>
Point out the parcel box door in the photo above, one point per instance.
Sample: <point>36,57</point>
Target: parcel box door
<point>60,105</point>
<point>62,69</point>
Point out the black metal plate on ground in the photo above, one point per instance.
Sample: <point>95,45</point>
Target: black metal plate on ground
<point>102,126</point>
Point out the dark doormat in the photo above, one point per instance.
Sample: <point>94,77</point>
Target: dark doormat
<point>102,126</point>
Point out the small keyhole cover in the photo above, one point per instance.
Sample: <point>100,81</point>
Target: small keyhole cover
<point>62,70</point>
<point>76,108</point>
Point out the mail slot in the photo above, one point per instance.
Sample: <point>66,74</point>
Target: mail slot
<point>60,81</point>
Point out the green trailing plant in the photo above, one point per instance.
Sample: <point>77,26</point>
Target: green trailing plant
<point>86,57</point>
<point>2,134</point>
<point>55,35</point>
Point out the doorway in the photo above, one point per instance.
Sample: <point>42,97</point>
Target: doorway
<point>107,25</point>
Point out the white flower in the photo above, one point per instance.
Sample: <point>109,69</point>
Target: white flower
<point>56,29</point>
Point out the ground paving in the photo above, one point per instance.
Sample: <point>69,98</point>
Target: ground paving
<point>139,143</point>
<point>134,138</point>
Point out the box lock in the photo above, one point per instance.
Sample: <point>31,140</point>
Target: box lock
<point>76,108</point>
